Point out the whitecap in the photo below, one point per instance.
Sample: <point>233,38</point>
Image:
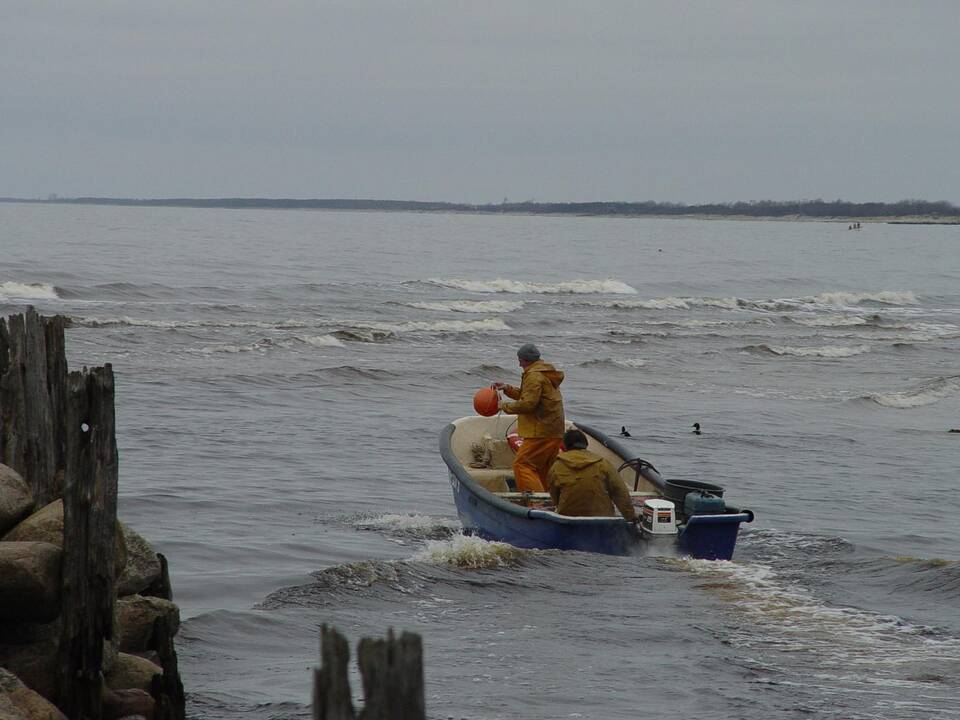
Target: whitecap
<point>11,290</point>
<point>435,326</point>
<point>469,552</point>
<point>502,285</point>
<point>826,351</point>
<point>127,321</point>
<point>414,525</point>
<point>320,340</point>
<point>884,297</point>
<point>828,320</point>
<point>468,306</point>
<point>927,393</point>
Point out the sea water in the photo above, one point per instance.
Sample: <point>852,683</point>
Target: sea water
<point>282,378</point>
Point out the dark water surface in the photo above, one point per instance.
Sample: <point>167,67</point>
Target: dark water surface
<point>282,377</point>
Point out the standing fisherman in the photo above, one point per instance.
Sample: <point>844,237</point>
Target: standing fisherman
<point>539,408</point>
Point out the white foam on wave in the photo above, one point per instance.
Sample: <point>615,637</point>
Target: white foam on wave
<point>11,290</point>
<point>826,351</point>
<point>927,393</point>
<point>265,344</point>
<point>828,320</point>
<point>436,326</point>
<point>408,524</point>
<point>126,321</point>
<point>469,306</point>
<point>884,297</point>
<point>671,303</point>
<point>319,340</point>
<point>502,285</point>
<point>469,552</point>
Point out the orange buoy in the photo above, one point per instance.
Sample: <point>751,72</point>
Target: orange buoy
<point>486,401</point>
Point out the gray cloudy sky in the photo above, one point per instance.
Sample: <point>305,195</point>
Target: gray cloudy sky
<point>477,101</point>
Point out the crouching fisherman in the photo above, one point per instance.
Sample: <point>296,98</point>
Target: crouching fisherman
<point>539,408</point>
<point>584,484</point>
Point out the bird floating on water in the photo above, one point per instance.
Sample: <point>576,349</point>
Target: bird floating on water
<point>624,432</point>
<point>696,429</point>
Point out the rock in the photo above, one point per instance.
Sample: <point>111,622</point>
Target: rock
<point>135,617</point>
<point>9,711</point>
<point>21,632</point>
<point>24,702</point>
<point>142,567</point>
<point>127,704</point>
<point>46,525</point>
<point>130,671</point>
<point>29,581</point>
<point>35,665</point>
<point>16,500</point>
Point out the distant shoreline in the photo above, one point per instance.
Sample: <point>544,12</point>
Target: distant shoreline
<point>908,212</point>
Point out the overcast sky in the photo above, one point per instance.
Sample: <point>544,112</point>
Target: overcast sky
<point>477,101</point>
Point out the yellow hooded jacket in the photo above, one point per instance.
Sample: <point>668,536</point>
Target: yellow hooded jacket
<point>539,406</point>
<point>584,484</point>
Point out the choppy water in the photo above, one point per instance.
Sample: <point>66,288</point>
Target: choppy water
<point>282,378</point>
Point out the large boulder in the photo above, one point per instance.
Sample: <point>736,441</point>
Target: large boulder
<point>46,525</point>
<point>143,566</point>
<point>21,632</point>
<point>16,500</point>
<point>22,702</point>
<point>35,665</point>
<point>135,615</point>
<point>127,704</point>
<point>132,672</point>
<point>29,581</point>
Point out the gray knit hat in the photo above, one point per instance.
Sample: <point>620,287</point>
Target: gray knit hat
<point>528,351</point>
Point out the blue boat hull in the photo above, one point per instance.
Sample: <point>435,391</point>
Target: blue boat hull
<point>710,537</point>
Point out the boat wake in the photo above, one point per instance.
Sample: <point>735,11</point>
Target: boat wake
<point>420,527</point>
<point>471,553</point>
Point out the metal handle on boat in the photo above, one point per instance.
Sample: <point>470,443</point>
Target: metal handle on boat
<point>637,464</point>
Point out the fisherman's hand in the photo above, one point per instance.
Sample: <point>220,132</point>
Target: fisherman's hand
<point>498,385</point>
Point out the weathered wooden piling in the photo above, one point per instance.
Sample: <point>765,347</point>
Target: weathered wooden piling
<point>392,673</point>
<point>32,395</point>
<point>57,437</point>
<point>89,540</point>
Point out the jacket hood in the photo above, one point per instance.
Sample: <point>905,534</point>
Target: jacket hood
<point>549,372</point>
<point>578,459</point>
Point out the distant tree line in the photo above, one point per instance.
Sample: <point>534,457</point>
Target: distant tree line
<point>760,208</point>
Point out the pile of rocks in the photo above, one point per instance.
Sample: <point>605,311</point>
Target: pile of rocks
<point>31,598</point>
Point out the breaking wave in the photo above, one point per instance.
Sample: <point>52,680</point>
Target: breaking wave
<point>927,393</point>
<point>571,287</point>
<point>468,306</point>
<point>264,344</point>
<point>125,321</point>
<point>469,552</point>
<point>832,320</point>
<point>11,290</point>
<point>884,297</point>
<point>827,351</point>
<point>360,329</point>
<point>414,526</point>
<point>631,363</point>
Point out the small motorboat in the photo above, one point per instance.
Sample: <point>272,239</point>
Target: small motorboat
<point>677,516</point>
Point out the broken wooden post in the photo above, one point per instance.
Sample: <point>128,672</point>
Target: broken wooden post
<point>167,689</point>
<point>331,687</point>
<point>33,370</point>
<point>89,540</point>
<point>392,673</point>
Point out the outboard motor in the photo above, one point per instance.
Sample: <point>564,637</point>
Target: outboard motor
<point>659,518</point>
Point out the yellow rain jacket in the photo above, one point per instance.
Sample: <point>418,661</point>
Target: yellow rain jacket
<point>539,406</point>
<point>586,485</point>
